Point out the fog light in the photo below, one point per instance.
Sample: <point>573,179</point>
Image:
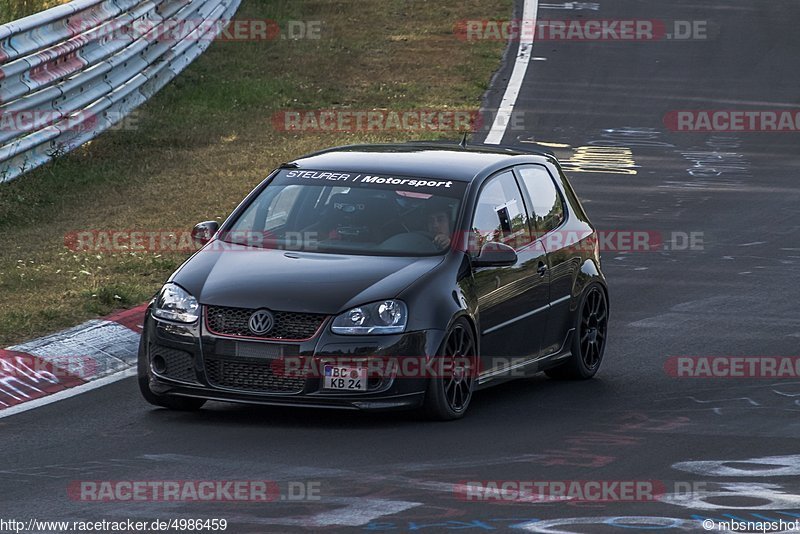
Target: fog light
<point>158,364</point>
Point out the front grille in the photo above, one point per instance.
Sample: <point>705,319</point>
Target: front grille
<point>254,350</point>
<point>287,326</point>
<point>177,364</point>
<point>257,376</point>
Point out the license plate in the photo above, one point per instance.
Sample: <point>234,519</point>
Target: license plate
<point>345,378</point>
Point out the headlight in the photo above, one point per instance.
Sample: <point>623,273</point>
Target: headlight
<point>175,304</point>
<point>385,317</point>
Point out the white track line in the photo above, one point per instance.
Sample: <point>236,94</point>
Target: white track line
<point>506,107</point>
<point>67,393</point>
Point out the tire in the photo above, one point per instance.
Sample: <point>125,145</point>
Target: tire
<point>589,339</point>
<point>183,404</point>
<point>450,391</point>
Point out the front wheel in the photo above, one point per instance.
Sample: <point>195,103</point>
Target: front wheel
<point>589,339</point>
<point>184,404</point>
<point>450,391</point>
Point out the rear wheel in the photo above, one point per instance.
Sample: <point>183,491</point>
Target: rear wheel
<point>589,338</point>
<point>184,404</point>
<point>450,391</point>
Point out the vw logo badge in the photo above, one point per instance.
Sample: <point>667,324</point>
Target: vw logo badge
<point>261,322</point>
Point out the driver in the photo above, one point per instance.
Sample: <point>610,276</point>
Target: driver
<point>439,225</point>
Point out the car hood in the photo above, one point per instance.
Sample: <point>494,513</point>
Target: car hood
<point>297,281</point>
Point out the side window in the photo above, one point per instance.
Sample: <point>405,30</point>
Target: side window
<point>547,206</point>
<point>499,215</point>
<point>280,206</point>
<point>275,211</point>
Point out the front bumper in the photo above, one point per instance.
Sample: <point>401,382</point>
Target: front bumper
<point>187,360</point>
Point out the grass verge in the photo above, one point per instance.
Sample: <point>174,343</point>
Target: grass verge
<point>16,9</point>
<point>199,146</point>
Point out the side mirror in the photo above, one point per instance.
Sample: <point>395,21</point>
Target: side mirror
<point>203,232</point>
<point>495,254</point>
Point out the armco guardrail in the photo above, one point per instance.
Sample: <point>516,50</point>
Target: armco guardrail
<point>71,72</point>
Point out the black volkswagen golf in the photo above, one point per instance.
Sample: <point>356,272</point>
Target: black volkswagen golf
<point>383,277</point>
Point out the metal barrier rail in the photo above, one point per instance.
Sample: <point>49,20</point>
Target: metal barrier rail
<point>73,71</point>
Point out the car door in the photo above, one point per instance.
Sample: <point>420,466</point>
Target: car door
<point>512,300</point>
<point>548,214</point>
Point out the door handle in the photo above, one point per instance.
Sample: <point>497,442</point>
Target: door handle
<point>542,270</point>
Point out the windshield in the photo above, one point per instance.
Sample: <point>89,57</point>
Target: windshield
<point>351,213</point>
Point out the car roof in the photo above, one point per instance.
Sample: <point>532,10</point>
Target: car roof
<point>439,160</point>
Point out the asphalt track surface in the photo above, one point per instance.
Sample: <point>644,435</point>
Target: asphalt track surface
<point>634,422</point>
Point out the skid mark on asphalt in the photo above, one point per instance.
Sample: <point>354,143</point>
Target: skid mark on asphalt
<point>765,466</point>
<point>717,409</point>
<point>67,471</point>
<point>353,512</point>
<point>772,396</point>
<point>415,491</point>
<point>386,497</point>
<point>425,496</point>
<point>737,316</point>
